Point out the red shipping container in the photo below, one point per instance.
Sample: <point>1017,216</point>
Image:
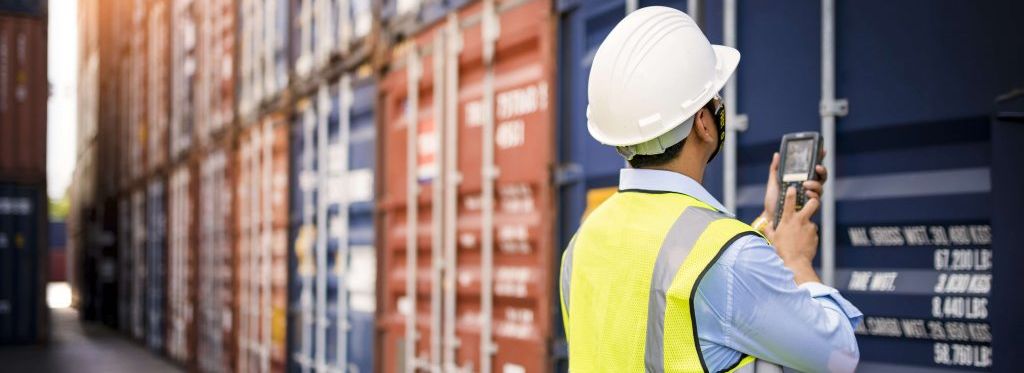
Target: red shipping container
<point>23,95</point>
<point>483,229</point>
<point>183,76</point>
<point>217,303</point>
<point>262,190</point>
<point>181,264</point>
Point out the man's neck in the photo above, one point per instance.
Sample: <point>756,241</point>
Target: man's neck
<point>685,164</point>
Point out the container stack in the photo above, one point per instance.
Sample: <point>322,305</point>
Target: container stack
<point>229,212</point>
<point>23,204</point>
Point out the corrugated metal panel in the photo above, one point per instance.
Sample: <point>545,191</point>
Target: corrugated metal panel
<point>332,224</point>
<point>126,264</point>
<point>23,94</point>
<point>138,258</point>
<point>22,244</point>
<point>158,60</point>
<point>262,192</point>
<point>481,220</point>
<point>215,103</point>
<point>24,7</point>
<point>137,92</point>
<point>183,75</point>
<point>181,265</point>
<point>156,264</point>
<point>263,53</point>
<point>326,30</point>
<point>217,296</point>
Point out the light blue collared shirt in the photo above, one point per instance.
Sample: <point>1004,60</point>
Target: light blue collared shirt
<point>747,303</point>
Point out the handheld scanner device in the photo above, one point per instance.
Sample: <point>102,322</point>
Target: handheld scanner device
<point>800,152</point>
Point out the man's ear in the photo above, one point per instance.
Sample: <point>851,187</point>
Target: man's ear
<point>702,123</point>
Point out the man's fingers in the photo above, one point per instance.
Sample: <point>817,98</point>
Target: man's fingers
<point>822,173</point>
<point>809,208</point>
<point>789,205</point>
<point>812,186</point>
<point>773,170</point>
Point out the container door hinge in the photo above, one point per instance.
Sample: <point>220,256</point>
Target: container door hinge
<point>836,108</point>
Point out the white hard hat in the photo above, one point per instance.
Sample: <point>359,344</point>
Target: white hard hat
<point>650,76</point>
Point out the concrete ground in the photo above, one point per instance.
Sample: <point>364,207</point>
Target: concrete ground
<point>78,347</point>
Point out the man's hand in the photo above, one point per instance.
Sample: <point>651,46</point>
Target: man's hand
<point>813,188</point>
<point>796,237</point>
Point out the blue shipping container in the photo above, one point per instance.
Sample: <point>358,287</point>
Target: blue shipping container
<point>156,265</point>
<point>22,247</point>
<point>332,256</point>
<point>912,157</point>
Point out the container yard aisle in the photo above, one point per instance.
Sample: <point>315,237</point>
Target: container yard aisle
<point>82,347</point>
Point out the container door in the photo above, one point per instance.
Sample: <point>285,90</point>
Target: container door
<point>217,310</point>
<point>139,284</point>
<point>914,220</point>
<point>19,264</point>
<point>156,271</point>
<point>125,267</point>
<point>335,262</point>
<point>262,196</point>
<point>180,265</point>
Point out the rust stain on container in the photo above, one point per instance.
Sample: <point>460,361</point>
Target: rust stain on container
<point>23,94</point>
<point>262,192</point>
<point>523,208</point>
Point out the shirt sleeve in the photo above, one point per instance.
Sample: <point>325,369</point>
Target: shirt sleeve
<point>808,328</point>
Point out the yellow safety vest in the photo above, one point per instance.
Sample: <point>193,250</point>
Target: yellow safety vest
<point>628,279</point>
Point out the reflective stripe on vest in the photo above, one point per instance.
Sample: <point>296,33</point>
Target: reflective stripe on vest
<point>628,279</point>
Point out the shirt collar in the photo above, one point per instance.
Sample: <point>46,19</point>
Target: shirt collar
<point>666,181</point>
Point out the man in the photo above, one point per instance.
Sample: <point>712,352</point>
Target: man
<point>660,278</point>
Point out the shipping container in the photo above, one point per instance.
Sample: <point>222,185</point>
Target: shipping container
<point>262,191</point>
<point>136,103</point>
<point>23,317</point>
<point>333,273</point>
<point>327,31</point>
<point>467,133</point>
<point>138,259</point>
<point>23,94</point>
<point>158,59</point>
<point>183,66</point>
<point>217,315</point>
<point>156,264</point>
<point>31,8</point>
<point>914,141</point>
<point>181,265</point>
<point>126,264</point>
<point>58,237</point>
<point>215,98</point>
<point>263,54</point>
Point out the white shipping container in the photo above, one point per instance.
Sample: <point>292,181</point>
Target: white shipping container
<point>326,29</point>
<point>180,268</point>
<point>183,75</point>
<point>263,54</point>
<point>215,321</point>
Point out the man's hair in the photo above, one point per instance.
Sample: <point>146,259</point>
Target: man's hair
<point>652,160</point>
<point>670,153</point>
